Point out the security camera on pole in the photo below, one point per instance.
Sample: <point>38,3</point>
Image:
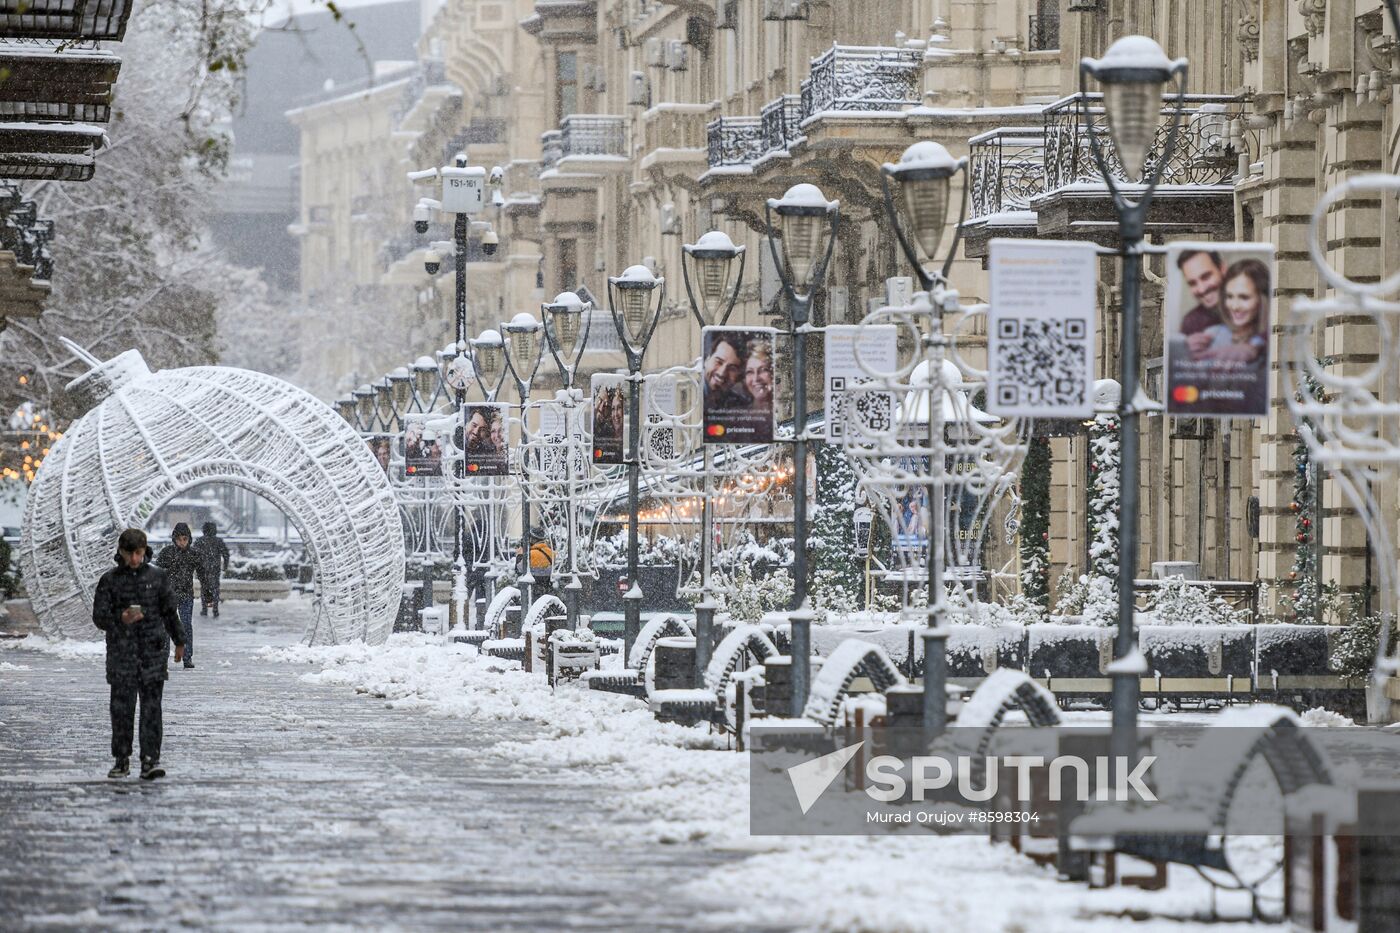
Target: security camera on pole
<point>463,194</point>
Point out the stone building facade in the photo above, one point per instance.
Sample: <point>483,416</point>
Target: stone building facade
<point>630,127</point>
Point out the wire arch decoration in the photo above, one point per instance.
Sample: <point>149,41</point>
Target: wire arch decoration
<point>1346,419</point>
<point>918,443</point>
<point>738,480</point>
<point>147,437</point>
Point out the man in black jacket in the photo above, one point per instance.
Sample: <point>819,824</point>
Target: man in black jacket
<point>134,605</point>
<point>181,562</point>
<point>213,564</point>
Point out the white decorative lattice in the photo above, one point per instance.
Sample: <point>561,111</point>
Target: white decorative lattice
<point>151,436</point>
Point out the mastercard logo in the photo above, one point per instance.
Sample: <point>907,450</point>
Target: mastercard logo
<point>473,467</point>
<point>1187,394</point>
<point>597,453</point>
<point>715,430</point>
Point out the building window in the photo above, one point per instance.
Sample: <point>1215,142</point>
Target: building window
<point>567,269</point>
<point>566,85</point>
<point>1044,32</point>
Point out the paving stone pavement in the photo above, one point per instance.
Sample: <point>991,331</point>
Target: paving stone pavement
<point>291,805</point>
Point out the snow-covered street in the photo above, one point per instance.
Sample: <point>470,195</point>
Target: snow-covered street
<point>415,786</point>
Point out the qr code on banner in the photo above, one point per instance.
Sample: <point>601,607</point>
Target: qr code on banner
<point>870,413</point>
<point>1040,363</point>
<point>662,441</point>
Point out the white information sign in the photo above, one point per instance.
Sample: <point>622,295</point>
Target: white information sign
<point>463,189</point>
<point>1040,328</point>
<point>847,347</point>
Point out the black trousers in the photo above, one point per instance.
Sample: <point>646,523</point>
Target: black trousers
<point>123,705</point>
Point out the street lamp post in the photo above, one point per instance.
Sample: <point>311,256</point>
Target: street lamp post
<point>567,321</point>
<point>808,231</point>
<point>463,195</point>
<point>712,301</point>
<point>523,355</point>
<point>1132,74</point>
<point>635,317</point>
<point>489,364</point>
<point>924,175</point>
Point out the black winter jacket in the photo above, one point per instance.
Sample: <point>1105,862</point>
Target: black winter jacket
<point>137,652</point>
<point>181,565</point>
<point>213,556</point>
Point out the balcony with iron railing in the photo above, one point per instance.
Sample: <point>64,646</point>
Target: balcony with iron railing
<point>70,20</point>
<point>734,142</point>
<point>780,118</point>
<point>1206,153</point>
<point>593,136</point>
<point>1006,169</point>
<point>673,131</point>
<point>862,78</point>
<point>1043,180</point>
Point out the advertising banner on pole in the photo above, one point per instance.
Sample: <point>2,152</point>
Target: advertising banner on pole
<point>485,442</point>
<point>609,418</point>
<point>1040,328</point>
<point>421,448</point>
<point>1218,314</point>
<point>381,446</point>
<point>737,367</point>
<point>660,395</point>
<point>853,351</point>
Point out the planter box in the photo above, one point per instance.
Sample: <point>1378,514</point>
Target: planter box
<point>250,590</point>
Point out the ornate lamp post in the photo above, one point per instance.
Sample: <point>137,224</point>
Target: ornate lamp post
<point>345,406</point>
<point>567,320</point>
<point>712,301</point>
<point>635,317</point>
<point>924,176</point>
<point>364,407</point>
<point>524,351</point>
<point>807,222</point>
<point>425,383</point>
<point>1132,72</point>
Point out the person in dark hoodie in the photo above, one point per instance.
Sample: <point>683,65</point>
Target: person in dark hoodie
<point>181,561</point>
<point>135,607</point>
<point>213,564</point>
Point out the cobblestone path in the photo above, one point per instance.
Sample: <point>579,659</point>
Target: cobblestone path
<point>290,805</point>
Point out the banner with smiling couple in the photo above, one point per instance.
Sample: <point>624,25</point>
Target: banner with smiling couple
<point>737,368</point>
<point>1219,311</point>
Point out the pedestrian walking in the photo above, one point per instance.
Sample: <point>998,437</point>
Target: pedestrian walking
<point>135,606</point>
<point>541,559</point>
<point>213,564</point>
<point>181,561</point>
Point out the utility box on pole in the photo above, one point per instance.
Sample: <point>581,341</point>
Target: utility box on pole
<point>463,190</point>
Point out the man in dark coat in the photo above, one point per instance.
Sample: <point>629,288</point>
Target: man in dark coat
<point>213,564</point>
<point>181,562</point>
<point>135,606</point>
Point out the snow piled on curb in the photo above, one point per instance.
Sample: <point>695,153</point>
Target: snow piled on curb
<point>67,649</point>
<point>673,786</point>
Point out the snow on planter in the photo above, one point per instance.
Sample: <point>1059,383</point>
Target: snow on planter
<point>851,659</point>
<point>148,437</point>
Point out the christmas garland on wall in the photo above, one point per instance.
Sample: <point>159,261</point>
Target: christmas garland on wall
<point>1105,481</point>
<point>1303,602</point>
<point>1035,522</point>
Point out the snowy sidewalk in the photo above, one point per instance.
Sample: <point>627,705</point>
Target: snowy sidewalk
<point>291,804</point>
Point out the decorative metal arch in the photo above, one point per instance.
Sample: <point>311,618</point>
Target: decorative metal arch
<point>150,436</point>
<point>851,659</point>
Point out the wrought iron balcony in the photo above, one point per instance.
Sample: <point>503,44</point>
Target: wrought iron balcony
<point>592,134</point>
<point>734,141</point>
<point>1007,169</point>
<point>780,119</point>
<point>849,77</point>
<point>65,19</point>
<point>49,151</point>
<point>1043,33</point>
<point>1205,154</point>
<point>551,148</point>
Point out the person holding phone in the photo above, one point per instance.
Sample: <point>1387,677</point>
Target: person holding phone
<point>135,606</point>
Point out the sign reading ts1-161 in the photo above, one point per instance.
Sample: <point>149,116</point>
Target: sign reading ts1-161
<point>1040,328</point>
<point>463,189</point>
